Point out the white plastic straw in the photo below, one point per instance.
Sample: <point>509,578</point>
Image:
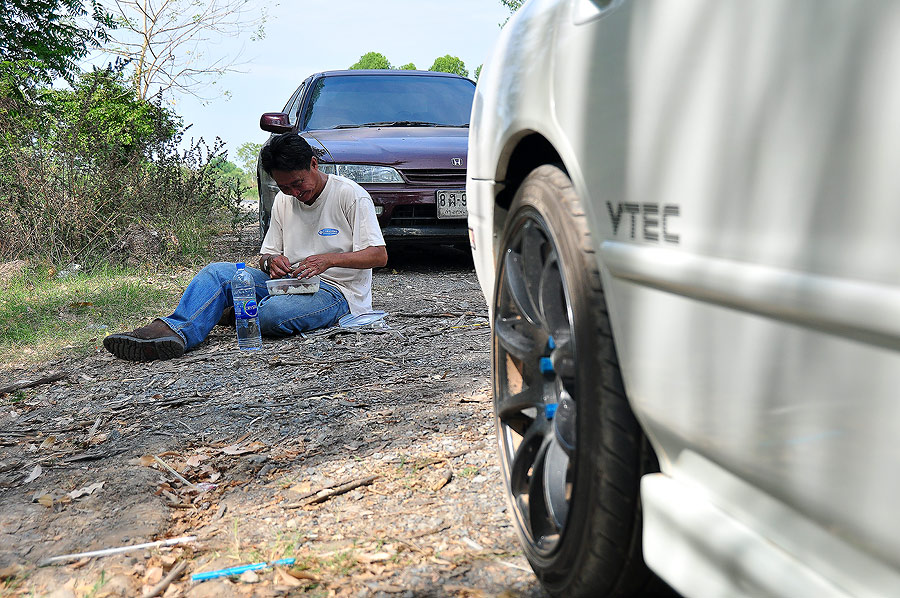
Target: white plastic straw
<point>120,549</point>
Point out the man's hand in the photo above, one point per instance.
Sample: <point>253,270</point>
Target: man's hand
<point>314,265</point>
<point>278,265</point>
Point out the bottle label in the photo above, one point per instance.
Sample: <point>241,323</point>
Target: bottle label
<point>246,310</point>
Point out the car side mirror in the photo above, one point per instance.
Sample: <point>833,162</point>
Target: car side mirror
<point>275,122</point>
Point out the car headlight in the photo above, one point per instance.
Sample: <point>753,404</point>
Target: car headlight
<point>363,173</point>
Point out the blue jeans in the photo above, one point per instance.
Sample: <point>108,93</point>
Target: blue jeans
<point>209,293</point>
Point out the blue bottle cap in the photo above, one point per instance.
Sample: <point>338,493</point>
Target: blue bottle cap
<point>239,265</point>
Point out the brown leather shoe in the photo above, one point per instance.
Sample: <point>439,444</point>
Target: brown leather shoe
<point>153,341</point>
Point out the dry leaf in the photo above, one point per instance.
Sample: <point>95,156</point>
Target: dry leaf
<point>195,460</point>
<point>301,488</point>
<point>34,474</point>
<point>288,580</point>
<point>153,576</point>
<point>85,491</point>
<point>45,499</point>
<point>48,442</point>
<point>373,557</point>
<point>147,461</point>
<point>300,574</point>
<point>237,449</point>
<point>389,588</point>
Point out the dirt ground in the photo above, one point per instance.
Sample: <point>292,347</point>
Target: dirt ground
<point>368,457</point>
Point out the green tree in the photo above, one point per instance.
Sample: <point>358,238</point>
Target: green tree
<point>450,64</point>
<point>43,39</point>
<point>120,123</point>
<point>478,72</point>
<point>247,155</point>
<point>408,67</point>
<point>371,60</point>
<point>513,6</point>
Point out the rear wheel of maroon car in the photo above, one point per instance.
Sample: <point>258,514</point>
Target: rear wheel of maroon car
<point>572,453</point>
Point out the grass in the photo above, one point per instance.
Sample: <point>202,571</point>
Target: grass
<point>43,317</point>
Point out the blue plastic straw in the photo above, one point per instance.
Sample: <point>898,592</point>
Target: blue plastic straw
<point>238,570</point>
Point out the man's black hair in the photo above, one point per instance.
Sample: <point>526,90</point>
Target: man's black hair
<point>287,152</point>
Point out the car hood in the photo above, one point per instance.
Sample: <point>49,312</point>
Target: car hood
<point>402,147</point>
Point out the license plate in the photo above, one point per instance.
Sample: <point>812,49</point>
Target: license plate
<point>451,204</point>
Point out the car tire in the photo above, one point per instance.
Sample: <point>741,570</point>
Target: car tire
<point>572,452</point>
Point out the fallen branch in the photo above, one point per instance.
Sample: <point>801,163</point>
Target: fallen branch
<point>324,494</point>
<point>180,477</point>
<point>48,379</point>
<point>168,579</point>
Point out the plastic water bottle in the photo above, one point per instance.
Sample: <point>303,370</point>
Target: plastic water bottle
<point>246,320</point>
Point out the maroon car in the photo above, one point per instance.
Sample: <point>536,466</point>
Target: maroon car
<point>402,135</point>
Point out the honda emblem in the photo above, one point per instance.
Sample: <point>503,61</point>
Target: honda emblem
<point>456,161</point>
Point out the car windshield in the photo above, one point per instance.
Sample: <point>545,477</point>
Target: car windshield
<point>389,100</point>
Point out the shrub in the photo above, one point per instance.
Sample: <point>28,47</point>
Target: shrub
<point>84,171</point>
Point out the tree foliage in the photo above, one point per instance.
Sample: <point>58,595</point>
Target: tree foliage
<point>168,43</point>
<point>42,39</point>
<point>450,64</point>
<point>513,6</point>
<point>84,171</point>
<point>371,60</point>
<point>408,67</point>
<point>247,155</point>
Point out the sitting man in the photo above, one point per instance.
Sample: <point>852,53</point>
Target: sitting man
<point>321,225</point>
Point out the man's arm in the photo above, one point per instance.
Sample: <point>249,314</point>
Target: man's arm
<point>370,257</point>
<point>278,266</point>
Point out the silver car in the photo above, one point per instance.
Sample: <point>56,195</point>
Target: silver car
<point>684,217</point>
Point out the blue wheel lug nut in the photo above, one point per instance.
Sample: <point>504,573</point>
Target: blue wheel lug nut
<point>546,365</point>
<point>550,410</point>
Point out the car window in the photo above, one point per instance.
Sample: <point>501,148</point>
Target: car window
<point>380,99</point>
<point>293,107</point>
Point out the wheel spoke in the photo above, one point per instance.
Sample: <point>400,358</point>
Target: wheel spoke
<point>513,337</point>
<point>542,522</point>
<point>516,287</point>
<point>553,306</point>
<point>556,470</point>
<point>520,471</point>
<point>532,243</point>
<point>512,405</point>
<point>564,424</point>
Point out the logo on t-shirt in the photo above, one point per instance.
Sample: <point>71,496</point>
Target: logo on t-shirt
<point>328,232</point>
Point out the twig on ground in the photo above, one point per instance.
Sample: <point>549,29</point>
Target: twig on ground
<point>180,477</point>
<point>441,459</point>
<point>48,379</point>
<point>324,494</point>
<point>168,579</point>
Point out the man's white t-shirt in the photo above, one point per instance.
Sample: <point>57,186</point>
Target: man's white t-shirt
<point>341,220</point>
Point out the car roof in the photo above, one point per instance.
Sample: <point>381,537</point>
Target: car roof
<point>392,72</point>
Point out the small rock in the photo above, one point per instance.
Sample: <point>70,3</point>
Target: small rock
<point>249,577</point>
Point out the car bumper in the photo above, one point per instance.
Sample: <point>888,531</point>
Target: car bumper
<point>410,214</point>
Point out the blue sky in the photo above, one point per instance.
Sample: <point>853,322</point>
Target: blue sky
<point>303,37</point>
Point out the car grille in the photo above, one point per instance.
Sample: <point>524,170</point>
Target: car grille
<point>414,215</point>
<point>439,177</point>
